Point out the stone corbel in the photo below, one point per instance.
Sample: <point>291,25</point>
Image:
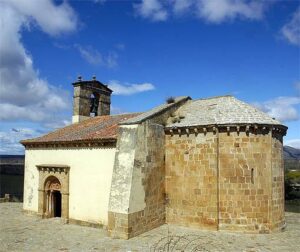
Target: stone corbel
<point>238,130</point>
<point>215,130</point>
<point>179,132</point>
<point>255,129</point>
<point>187,131</point>
<point>196,131</point>
<point>228,130</point>
<point>247,129</point>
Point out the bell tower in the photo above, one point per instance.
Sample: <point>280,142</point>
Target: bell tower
<point>91,98</point>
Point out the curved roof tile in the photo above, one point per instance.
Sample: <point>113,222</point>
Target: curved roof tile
<point>93,129</point>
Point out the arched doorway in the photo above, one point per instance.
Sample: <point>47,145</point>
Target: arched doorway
<point>56,203</point>
<point>53,197</point>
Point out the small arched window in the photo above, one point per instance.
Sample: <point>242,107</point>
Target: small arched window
<point>94,103</point>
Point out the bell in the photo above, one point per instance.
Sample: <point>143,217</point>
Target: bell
<point>94,110</point>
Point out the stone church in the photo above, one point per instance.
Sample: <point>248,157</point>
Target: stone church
<point>213,163</point>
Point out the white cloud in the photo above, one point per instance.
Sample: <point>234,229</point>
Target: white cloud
<point>129,89</point>
<point>295,143</point>
<point>181,6</point>
<point>151,9</point>
<point>23,93</point>
<point>116,110</point>
<point>291,30</point>
<point>57,124</point>
<point>52,19</point>
<point>9,140</point>
<point>217,11</point>
<point>213,11</point>
<point>90,54</point>
<point>11,112</point>
<point>94,57</point>
<point>281,108</point>
<point>112,60</point>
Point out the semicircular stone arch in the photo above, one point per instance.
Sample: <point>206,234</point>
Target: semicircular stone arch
<point>52,183</point>
<point>53,178</point>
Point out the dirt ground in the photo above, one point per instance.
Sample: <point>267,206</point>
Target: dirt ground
<point>21,232</point>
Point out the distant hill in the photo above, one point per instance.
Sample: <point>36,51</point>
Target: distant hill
<point>291,158</point>
<point>291,153</point>
<point>12,164</point>
<point>12,176</point>
<point>12,159</point>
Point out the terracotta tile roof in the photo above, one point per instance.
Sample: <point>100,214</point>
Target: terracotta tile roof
<point>100,128</point>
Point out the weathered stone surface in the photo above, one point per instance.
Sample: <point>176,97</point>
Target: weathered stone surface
<point>159,114</point>
<point>245,182</point>
<point>137,197</point>
<point>137,192</point>
<point>81,99</point>
<point>225,180</point>
<point>277,182</point>
<point>123,168</point>
<point>220,110</point>
<point>191,180</point>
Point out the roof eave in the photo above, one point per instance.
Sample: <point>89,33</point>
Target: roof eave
<point>26,143</point>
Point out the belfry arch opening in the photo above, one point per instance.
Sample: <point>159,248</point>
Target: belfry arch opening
<point>94,104</point>
<point>53,199</point>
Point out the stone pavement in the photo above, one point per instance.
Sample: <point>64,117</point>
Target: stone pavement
<point>21,232</point>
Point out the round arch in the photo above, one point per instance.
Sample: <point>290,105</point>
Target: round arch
<point>52,195</point>
<point>53,199</point>
<point>52,183</point>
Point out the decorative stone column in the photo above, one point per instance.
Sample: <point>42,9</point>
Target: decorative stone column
<point>65,205</point>
<point>46,174</point>
<point>41,203</point>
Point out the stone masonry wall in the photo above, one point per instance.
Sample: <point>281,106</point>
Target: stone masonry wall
<point>225,180</point>
<point>150,159</point>
<point>137,205</point>
<point>191,180</point>
<point>277,203</point>
<point>137,197</point>
<point>81,99</point>
<point>244,178</point>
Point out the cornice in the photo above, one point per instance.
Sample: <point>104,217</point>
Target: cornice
<point>248,128</point>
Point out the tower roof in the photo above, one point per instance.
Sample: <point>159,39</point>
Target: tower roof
<point>91,83</point>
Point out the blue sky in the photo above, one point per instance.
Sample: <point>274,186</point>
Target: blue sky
<point>145,51</point>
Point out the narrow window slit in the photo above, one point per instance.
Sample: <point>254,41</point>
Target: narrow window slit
<point>252,176</point>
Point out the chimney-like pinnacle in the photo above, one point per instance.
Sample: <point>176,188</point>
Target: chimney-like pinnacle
<point>79,78</point>
<point>94,77</point>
